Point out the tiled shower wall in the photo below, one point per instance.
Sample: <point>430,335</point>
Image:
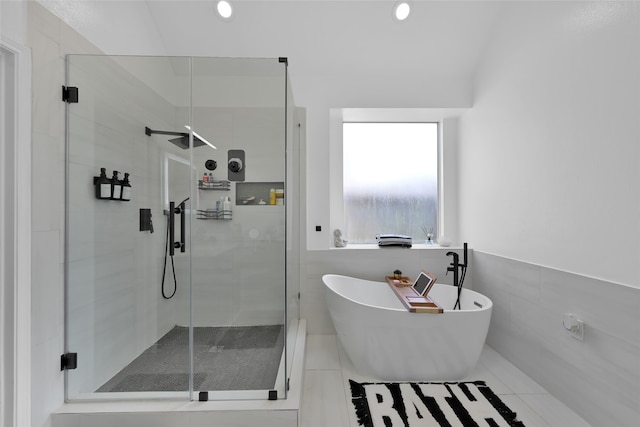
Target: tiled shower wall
<point>599,378</point>
<point>115,310</point>
<point>237,266</point>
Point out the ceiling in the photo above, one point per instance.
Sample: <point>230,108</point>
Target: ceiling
<point>321,37</point>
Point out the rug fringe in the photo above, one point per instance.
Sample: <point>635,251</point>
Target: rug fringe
<point>359,399</point>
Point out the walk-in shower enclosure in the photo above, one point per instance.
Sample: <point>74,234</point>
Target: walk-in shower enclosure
<point>182,280</point>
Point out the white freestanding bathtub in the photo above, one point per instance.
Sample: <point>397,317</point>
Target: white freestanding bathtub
<point>385,340</point>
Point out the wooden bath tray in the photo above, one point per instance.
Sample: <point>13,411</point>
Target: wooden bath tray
<point>410,299</point>
<point>401,282</point>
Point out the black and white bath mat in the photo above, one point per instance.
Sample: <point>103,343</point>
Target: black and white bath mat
<point>451,404</point>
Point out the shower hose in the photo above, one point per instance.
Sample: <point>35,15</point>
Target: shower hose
<point>164,267</point>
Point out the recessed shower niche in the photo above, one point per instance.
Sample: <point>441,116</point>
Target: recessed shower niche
<point>175,307</point>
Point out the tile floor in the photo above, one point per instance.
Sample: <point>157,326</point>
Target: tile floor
<point>328,369</point>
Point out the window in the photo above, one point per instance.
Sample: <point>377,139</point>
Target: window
<point>390,180</point>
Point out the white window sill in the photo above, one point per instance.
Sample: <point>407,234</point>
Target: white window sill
<point>420,246</point>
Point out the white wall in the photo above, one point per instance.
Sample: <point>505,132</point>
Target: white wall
<point>130,26</point>
<point>15,220</point>
<point>549,180</point>
<point>549,152</point>
<point>13,17</point>
<point>49,41</point>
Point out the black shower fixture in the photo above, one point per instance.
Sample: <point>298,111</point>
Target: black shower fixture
<point>211,165</point>
<point>236,165</point>
<point>182,141</point>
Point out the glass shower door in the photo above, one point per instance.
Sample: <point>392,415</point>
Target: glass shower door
<point>128,286</point>
<point>238,258</point>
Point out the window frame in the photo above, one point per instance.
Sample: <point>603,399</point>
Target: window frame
<point>447,119</point>
<point>416,239</point>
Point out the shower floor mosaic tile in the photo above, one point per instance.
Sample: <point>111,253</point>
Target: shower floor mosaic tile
<point>224,358</point>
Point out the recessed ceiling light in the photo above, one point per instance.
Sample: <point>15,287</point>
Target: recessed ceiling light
<point>401,10</point>
<point>224,9</point>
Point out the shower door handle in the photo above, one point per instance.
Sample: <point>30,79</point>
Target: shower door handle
<point>172,225</point>
<point>173,245</point>
<point>182,227</point>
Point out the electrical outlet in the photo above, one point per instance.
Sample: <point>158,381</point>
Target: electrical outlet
<point>573,326</point>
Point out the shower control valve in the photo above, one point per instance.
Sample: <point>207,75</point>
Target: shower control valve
<point>235,164</point>
<point>211,164</point>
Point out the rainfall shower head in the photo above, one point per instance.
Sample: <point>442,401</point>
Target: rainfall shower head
<point>182,141</point>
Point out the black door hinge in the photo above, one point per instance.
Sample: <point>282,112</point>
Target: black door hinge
<point>68,361</point>
<point>70,94</point>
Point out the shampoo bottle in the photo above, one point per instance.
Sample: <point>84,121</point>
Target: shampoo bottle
<point>227,208</point>
<point>103,185</point>
<point>116,186</point>
<point>126,188</point>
